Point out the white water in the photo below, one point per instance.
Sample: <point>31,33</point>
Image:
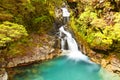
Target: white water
<point>65,12</point>
<point>62,44</point>
<point>73,51</point>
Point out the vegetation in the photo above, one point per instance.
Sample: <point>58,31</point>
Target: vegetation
<point>11,32</point>
<point>95,21</point>
<point>98,23</point>
<point>19,19</point>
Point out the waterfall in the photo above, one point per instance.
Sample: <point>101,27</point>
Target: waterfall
<point>62,44</point>
<point>73,51</point>
<point>71,42</point>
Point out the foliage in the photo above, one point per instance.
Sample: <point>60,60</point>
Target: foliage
<point>11,32</point>
<point>33,14</point>
<point>83,22</point>
<point>41,19</point>
<point>97,32</point>
<point>117,17</point>
<point>17,16</point>
<point>100,29</point>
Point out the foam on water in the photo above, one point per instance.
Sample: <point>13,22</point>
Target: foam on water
<point>73,51</point>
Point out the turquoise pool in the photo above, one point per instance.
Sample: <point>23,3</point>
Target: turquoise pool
<point>60,68</point>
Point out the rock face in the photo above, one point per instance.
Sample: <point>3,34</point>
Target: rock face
<point>42,47</point>
<point>40,53</point>
<point>110,63</point>
<point>37,53</point>
<point>39,48</point>
<point>3,74</point>
<point>32,58</point>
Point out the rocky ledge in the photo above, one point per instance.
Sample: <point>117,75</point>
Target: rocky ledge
<point>43,47</point>
<point>18,61</point>
<point>109,62</point>
<point>43,50</point>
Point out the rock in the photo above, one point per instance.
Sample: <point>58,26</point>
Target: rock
<point>104,62</point>
<point>115,62</point>
<point>109,68</point>
<point>105,75</point>
<point>116,69</point>
<point>37,53</point>
<point>2,62</point>
<point>51,56</point>
<point>3,74</point>
<point>111,64</point>
<point>10,64</point>
<point>52,50</point>
<point>45,54</point>
<point>43,58</point>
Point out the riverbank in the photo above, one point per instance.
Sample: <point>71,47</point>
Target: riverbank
<point>43,47</point>
<point>109,62</point>
<point>47,51</point>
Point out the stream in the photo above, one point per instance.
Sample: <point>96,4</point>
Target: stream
<point>61,68</point>
<point>71,65</point>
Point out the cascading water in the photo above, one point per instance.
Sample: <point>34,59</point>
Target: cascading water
<point>71,42</point>
<point>62,68</point>
<point>74,52</point>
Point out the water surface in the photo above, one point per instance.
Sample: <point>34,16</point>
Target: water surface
<point>60,68</point>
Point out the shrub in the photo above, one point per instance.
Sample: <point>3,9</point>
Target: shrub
<point>11,32</point>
